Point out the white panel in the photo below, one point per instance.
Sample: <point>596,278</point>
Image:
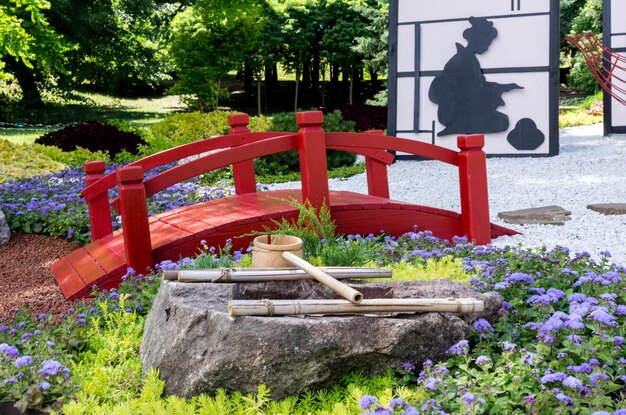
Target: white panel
<point>405,103</point>
<point>437,41</point>
<point>618,41</point>
<point>521,42</point>
<point>618,16</point>
<point>531,102</point>
<point>428,110</point>
<point>618,110</point>
<point>406,48</point>
<point>426,10</point>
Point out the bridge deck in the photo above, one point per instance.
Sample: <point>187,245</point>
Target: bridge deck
<point>177,233</point>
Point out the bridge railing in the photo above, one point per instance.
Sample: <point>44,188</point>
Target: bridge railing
<point>241,147</point>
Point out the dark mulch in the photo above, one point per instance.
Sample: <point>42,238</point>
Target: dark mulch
<point>25,278</point>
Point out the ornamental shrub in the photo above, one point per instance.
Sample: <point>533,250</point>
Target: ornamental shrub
<point>94,136</point>
<point>365,117</point>
<point>18,161</point>
<point>183,128</point>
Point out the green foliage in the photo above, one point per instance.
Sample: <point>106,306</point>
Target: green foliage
<point>580,77</point>
<point>71,158</point>
<point>18,161</point>
<point>183,128</point>
<point>448,267</point>
<point>109,368</point>
<point>207,41</point>
<point>282,164</point>
<point>312,226</point>
<point>588,112</point>
<point>27,38</point>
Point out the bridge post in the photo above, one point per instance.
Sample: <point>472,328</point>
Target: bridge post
<point>474,189</point>
<point>243,172</point>
<point>134,211</point>
<point>376,172</point>
<point>312,152</point>
<point>99,209</point>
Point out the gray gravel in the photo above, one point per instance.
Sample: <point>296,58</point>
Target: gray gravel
<point>590,169</point>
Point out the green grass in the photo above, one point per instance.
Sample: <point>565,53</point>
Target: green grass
<point>23,135</point>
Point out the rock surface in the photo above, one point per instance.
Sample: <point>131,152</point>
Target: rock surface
<point>609,208</point>
<point>198,347</point>
<point>547,215</point>
<point>5,231</point>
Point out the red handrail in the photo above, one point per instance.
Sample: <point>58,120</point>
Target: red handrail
<point>241,147</point>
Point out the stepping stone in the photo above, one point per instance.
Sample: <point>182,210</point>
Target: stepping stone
<point>609,208</point>
<point>547,215</point>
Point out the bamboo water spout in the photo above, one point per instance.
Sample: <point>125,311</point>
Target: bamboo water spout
<point>234,275</point>
<point>237,308</point>
<point>342,289</point>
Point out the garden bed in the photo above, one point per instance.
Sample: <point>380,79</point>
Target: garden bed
<point>25,279</point>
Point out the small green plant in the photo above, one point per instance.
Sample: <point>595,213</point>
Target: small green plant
<point>312,226</point>
<point>109,369</point>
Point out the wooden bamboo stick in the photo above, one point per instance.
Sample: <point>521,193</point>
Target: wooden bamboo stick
<point>270,274</point>
<point>270,308</point>
<point>342,289</point>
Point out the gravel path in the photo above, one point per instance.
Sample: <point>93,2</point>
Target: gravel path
<point>25,278</point>
<point>590,169</point>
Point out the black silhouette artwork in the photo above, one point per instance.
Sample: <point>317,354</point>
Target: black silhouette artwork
<point>467,101</point>
<point>526,135</point>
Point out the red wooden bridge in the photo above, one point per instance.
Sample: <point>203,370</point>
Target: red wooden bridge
<point>144,241</point>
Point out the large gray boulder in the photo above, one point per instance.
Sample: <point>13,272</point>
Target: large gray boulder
<point>5,231</point>
<point>198,347</point>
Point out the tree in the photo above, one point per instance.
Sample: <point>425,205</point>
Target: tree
<point>119,41</point>
<point>208,40</point>
<point>30,48</point>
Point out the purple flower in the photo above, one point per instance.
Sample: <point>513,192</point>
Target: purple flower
<point>52,367</point>
<point>431,383</point>
<point>481,325</point>
<point>44,386</point>
<point>367,401</point>
<point>9,350</point>
<point>482,360</point>
<point>508,347</point>
<point>618,340</point>
<point>565,399</point>
<point>598,376</point>
<point>529,400</point>
<point>468,399</point>
<point>396,402</point>
<point>572,383</point>
<point>601,315</point>
<point>408,366</point>
<point>520,277</point>
<point>459,348</point>
<point>620,310</point>
<point>553,377</point>
<point>23,361</point>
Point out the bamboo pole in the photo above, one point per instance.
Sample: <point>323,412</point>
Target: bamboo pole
<point>216,275</point>
<point>342,289</point>
<point>237,308</point>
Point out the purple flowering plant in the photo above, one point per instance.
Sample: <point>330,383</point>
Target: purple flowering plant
<point>557,345</point>
<point>52,204</point>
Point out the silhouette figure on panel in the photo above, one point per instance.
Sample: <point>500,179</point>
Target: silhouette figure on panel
<point>467,101</point>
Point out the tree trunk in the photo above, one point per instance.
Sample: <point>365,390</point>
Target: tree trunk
<point>315,72</point>
<point>248,79</point>
<point>373,75</point>
<point>217,98</point>
<point>258,94</point>
<point>295,106</point>
<point>351,85</point>
<point>31,98</point>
